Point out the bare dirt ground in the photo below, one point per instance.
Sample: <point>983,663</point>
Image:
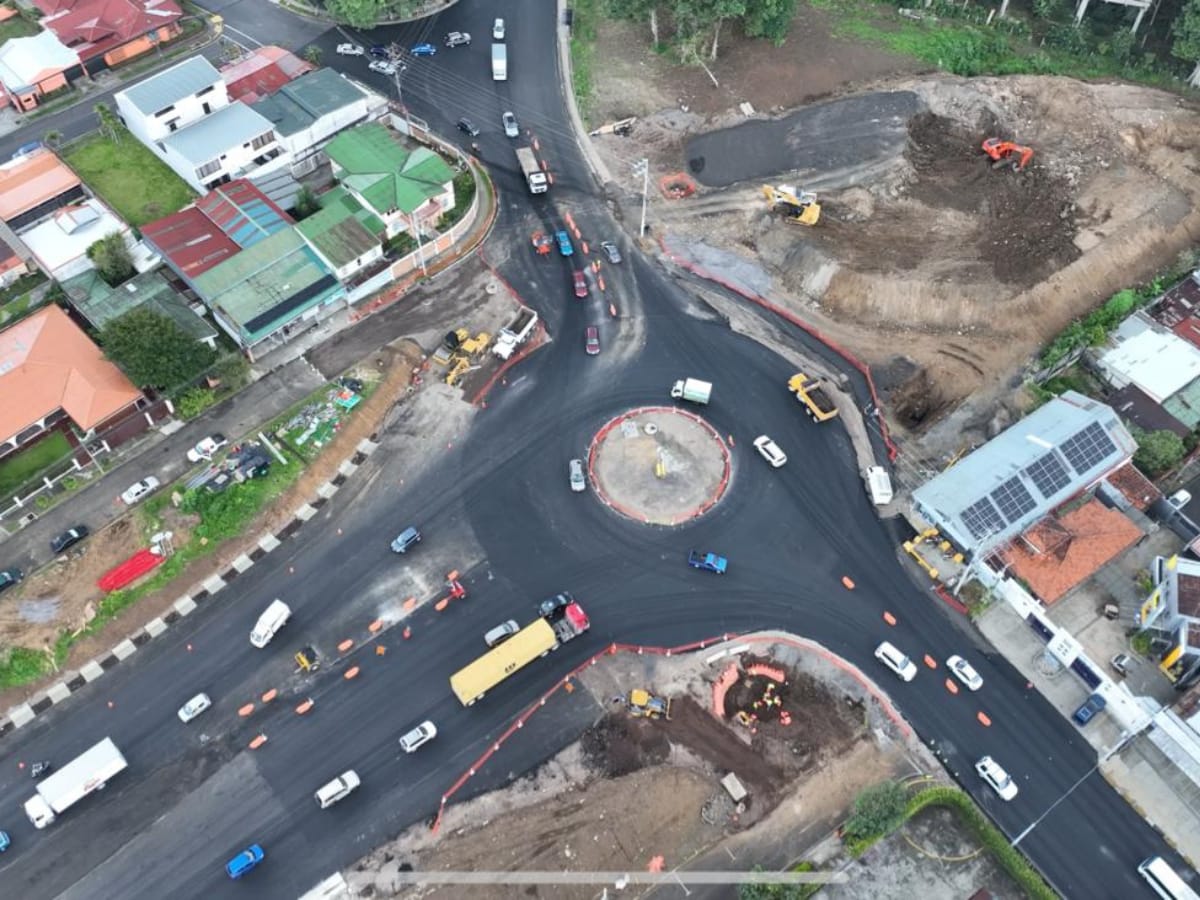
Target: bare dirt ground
<point>971,270</point>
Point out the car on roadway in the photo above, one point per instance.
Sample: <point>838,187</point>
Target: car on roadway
<point>581,285</point>
<point>591,340</point>
<point>498,30</point>
<point>207,448</point>
<point>458,39</point>
<point>564,243</point>
<point>552,607</point>
<point>5,841</point>
<point>465,124</point>
<point>708,562</point>
<point>1090,708</point>
<point>69,538</point>
<point>194,707</point>
<point>501,633</point>
<point>1180,499</point>
<point>576,475</point>
<point>769,450</point>
<point>511,128</point>
<point>338,789</point>
<point>9,578</point>
<point>405,539</point>
<point>379,51</point>
<point>611,253</point>
<point>964,672</point>
<point>349,49</point>
<point>993,773</point>
<point>424,50</point>
<point>891,657</point>
<point>418,737</point>
<point>382,66</point>
<point>1121,663</point>
<point>244,861</point>
<point>139,489</point>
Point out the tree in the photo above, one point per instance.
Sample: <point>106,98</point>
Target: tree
<point>306,203</point>
<point>153,351</point>
<point>110,125</point>
<point>1186,33</point>
<point>1157,451</point>
<point>635,11</point>
<point>877,811</point>
<point>313,53</point>
<point>53,139</point>
<point>355,13</point>
<point>769,19</point>
<point>112,258</point>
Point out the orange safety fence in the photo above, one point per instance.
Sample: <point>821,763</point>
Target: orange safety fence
<point>721,687</point>
<point>767,672</point>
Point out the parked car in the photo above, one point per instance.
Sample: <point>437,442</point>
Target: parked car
<point>1090,708</point>
<point>422,734</point>
<point>581,285</point>
<point>551,607</point>
<point>68,538</point>
<point>458,39</point>
<point>382,66</point>
<point>769,450</point>
<point>465,124</point>
<point>350,49</point>
<point>498,30</point>
<point>891,657</point>
<point>964,672</point>
<point>9,577</point>
<point>26,149</point>
<point>1180,499</point>
<point>379,51</point>
<point>1122,663</point>
<point>139,489</point>
<point>511,128</point>
<point>501,633</point>
<point>244,861</point>
<point>207,448</point>
<point>992,772</point>
<point>591,340</point>
<point>194,707</point>
<point>424,50</point>
<point>708,562</point>
<point>564,243</point>
<point>406,539</point>
<point>611,252</point>
<point>576,475</point>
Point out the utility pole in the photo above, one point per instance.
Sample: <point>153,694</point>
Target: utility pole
<point>395,54</point>
<point>642,168</point>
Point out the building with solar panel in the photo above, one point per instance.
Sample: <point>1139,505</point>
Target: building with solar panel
<point>1001,489</point>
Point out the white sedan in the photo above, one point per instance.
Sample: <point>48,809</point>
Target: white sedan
<point>137,491</point>
<point>350,50</point>
<point>194,707</point>
<point>770,451</point>
<point>992,772</point>
<point>964,672</point>
<point>207,448</point>
<point>382,66</point>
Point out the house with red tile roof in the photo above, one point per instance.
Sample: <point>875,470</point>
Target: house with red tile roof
<point>52,377</point>
<point>34,187</point>
<point>31,67</point>
<point>107,33</point>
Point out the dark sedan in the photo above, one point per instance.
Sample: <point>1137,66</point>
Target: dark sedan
<point>68,538</point>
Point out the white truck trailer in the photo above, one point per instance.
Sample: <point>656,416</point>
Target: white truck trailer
<point>499,62</point>
<point>534,176</point>
<point>515,333</point>
<point>90,771</point>
<point>692,390</point>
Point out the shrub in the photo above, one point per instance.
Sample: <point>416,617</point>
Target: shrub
<point>194,401</point>
<point>878,810</point>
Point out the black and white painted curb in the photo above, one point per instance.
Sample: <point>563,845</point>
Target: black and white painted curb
<point>72,681</point>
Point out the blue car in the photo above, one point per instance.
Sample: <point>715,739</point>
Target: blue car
<point>5,843</point>
<point>379,51</point>
<point>424,50</point>
<point>1092,706</point>
<point>708,562</point>
<point>244,861</point>
<point>564,243</point>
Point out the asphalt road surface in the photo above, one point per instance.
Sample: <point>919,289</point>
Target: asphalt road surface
<point>495,503</point>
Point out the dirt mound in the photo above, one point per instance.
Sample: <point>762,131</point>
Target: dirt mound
<point>619,744</point>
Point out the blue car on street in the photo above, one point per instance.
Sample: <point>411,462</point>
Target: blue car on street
<point>244,861</point>
<point>708,562</point>
<point>5,843</point>
<point>424,50</point>
<point>564,243</point>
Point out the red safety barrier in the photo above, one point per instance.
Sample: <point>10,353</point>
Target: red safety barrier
<point>767,672</point>
<point>130,571</point>
<point>721,687</point>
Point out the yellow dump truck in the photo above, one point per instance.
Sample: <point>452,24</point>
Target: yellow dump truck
<point>817,403</point>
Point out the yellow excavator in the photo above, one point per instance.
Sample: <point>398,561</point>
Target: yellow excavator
<point>793,204</point>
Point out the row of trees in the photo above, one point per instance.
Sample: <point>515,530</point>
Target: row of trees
<point>697,24</point>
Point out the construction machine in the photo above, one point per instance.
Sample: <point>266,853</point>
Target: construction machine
<point>476,345</point>
<point>1007,153</point>
<point>459,365</point>
<point>793,204</point>
<point>643,704</point>
<point>450,344</point>
<point>307,660</point>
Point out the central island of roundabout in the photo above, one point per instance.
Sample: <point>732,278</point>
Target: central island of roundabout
<point>659,465</point>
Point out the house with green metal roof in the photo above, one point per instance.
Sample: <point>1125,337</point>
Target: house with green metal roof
<point>344,233</point>
<point>100,303</point>
<point>406,186</point>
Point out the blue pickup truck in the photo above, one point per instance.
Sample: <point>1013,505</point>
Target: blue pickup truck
<point>709,562</point>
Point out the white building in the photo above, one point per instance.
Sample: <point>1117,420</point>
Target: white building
<point>1150,357</point>
<point>61,242</point>
<point>171,100</point>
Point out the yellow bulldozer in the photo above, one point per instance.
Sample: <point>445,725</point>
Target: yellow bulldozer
<point>793,204</point>
<point>644,704</point>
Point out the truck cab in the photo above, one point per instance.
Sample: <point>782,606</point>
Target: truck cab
<point>708,562</point>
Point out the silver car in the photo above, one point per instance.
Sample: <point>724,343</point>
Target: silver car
<point>194,707</point>
<point>501,633</point>
<point>511,128</point>
<point>422,734</point>
<point>578,479</point>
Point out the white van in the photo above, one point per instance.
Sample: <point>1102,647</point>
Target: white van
<point>338,789</point>
<point>274,618</point>
<point>879,485</point>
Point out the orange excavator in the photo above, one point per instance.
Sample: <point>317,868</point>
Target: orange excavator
<point>1005,153</point>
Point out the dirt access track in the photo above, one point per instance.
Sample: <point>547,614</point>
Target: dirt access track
<point>922,245</point>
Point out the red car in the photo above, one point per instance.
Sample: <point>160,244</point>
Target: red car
<point>591,340</point>
<point>581,285</point>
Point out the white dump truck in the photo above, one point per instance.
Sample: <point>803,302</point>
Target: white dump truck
<point>90,771</point>
<point>515,333</point>
<point>692,390</point>
<point>499,63</point>
<point>534,176</point>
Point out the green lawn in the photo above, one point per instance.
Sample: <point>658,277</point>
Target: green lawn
<point>129,178</point>
<point>17,26</point>
<point>17,470</point>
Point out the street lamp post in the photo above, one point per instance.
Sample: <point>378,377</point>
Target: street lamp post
<point>642,167</point>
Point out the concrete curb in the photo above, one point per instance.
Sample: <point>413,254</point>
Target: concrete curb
<point>256,550</point>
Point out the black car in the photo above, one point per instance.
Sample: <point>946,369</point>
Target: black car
<point>69,538</point>
<point>9,577</point>
<point>379,51</point>
<point>465,124</point>
<point>551,607</point>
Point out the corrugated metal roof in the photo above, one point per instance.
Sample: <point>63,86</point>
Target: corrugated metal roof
<point>1184,404</point>
<point>229,126</point>
<point>1159,362</point>
<point>243,212</point>
<point>189,241</point>
<point>299,103</point>
<point>100,303</point>
<point>171,86</point>
<point>343,230</point>
<point>386,174</point>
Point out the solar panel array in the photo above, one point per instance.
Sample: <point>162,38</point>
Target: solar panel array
<point>1048,474</point>
<point>1088,448</point>
<point>982,519</point>
<point>1013,498</point>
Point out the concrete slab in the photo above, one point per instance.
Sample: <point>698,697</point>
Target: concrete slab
<point>268,542</point>
<point>21,715</point>
<point>184,606</point>
<point>367,446</point>
<point>91,670</point>
<point>58,692</point>
<point>1162,794</point>
<point>327,490</point>
<point>155,627</point>
<point>213,584</point>
<point>305,512</point>
<point>242,563</point>
<point>347,468</point>
<point>125,649</point>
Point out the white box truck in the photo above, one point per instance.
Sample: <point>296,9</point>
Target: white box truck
<point>90,771</point>
<point>273,618</point>
<point>534,176</point>
<point>879,485</point>
<point>693,390</point>
<point>499,63</point>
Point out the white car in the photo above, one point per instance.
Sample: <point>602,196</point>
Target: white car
<point>963,671</point>
<point>338,789</point>
<point>382,66</point>
<point>207,448</point>
<point>137,491</point>
<point>511,128</point>
<point>458,39</point>
<point>194,707</point>
<point>501,633</point>
<point>991,772</point>
<point>1180,499</point>
<point>498,30</point>
<point>891,657</point>
<point>350,50</point>
<point>422,734</point>
<point>769,450</point>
